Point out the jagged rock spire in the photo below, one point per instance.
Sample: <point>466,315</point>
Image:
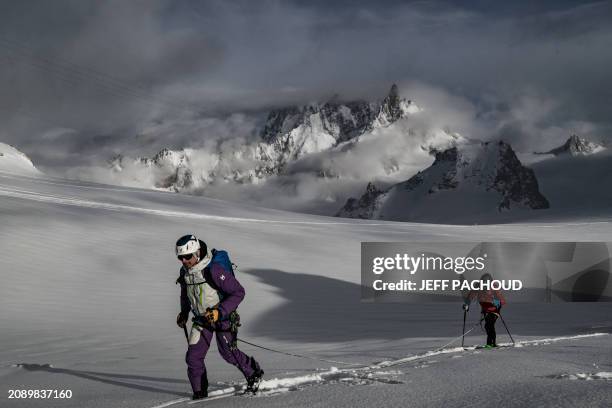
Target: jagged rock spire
<point>391,105</point>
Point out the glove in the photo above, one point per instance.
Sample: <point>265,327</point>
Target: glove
<point>466,307</point>
<point>181,319</point>
<point>212,315</point>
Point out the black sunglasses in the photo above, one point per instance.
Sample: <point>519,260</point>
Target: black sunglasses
<point>185,257</point>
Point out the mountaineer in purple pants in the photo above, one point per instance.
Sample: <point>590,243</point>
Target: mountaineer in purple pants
<point>212,293</point>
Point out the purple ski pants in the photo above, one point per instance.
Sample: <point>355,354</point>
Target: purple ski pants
<point>199,343</point>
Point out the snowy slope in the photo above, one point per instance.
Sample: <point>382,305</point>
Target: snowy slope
<point>88,303</point>
<point>14,161</point>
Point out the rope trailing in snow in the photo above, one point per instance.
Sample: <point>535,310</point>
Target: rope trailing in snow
<point>299,355</point>
<point>355,364</point>
<point>429,353</point>
<point>457,338</point>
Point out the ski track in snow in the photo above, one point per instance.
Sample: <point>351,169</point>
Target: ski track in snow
<point>64,182</point>
<point>602,375</point>
<point>370,373</point>
<point>79,202</point>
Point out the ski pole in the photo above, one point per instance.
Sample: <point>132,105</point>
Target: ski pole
<point>186,335</point>
<point>502,319</point>
<point>463,331</point>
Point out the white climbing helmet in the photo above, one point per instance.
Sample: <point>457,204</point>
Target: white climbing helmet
<point>187,244</point>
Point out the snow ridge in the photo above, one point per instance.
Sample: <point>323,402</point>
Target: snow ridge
<point>14,161</point>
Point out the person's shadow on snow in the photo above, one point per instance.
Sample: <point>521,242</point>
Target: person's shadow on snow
<point>122,380</point>
<point>322,309</point>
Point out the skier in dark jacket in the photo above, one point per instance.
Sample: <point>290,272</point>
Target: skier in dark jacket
<point>212,294</point>
<point>491,302</point>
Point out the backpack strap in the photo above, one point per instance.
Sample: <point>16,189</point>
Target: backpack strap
<point>207,273</point>
<point>181,279</point>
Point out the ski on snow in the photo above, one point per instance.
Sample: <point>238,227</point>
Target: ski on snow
<point>235,391</point>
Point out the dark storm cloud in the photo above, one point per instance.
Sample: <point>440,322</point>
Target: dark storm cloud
<point>114,68</point>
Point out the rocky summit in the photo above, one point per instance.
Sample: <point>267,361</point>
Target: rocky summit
<point>575,146</point>
<point>291,133</point>
<point>463,180</point>
<point>288,134</point>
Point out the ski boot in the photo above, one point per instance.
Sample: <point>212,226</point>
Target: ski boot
<point>490,346</point>
<point>199,395</point>
<point>254,379</point>
<point>204,389</point>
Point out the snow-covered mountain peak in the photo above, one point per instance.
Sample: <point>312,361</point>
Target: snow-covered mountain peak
<point>297,143</point>
<point>293,132</point>
<point>167,170</point>
<point>576,146</point>
<point>463,181</point>
<point>14,161</point>
<point>393,108</point>
<point>340,120</point>
<point>167,158</point>
<point>164,158</point>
